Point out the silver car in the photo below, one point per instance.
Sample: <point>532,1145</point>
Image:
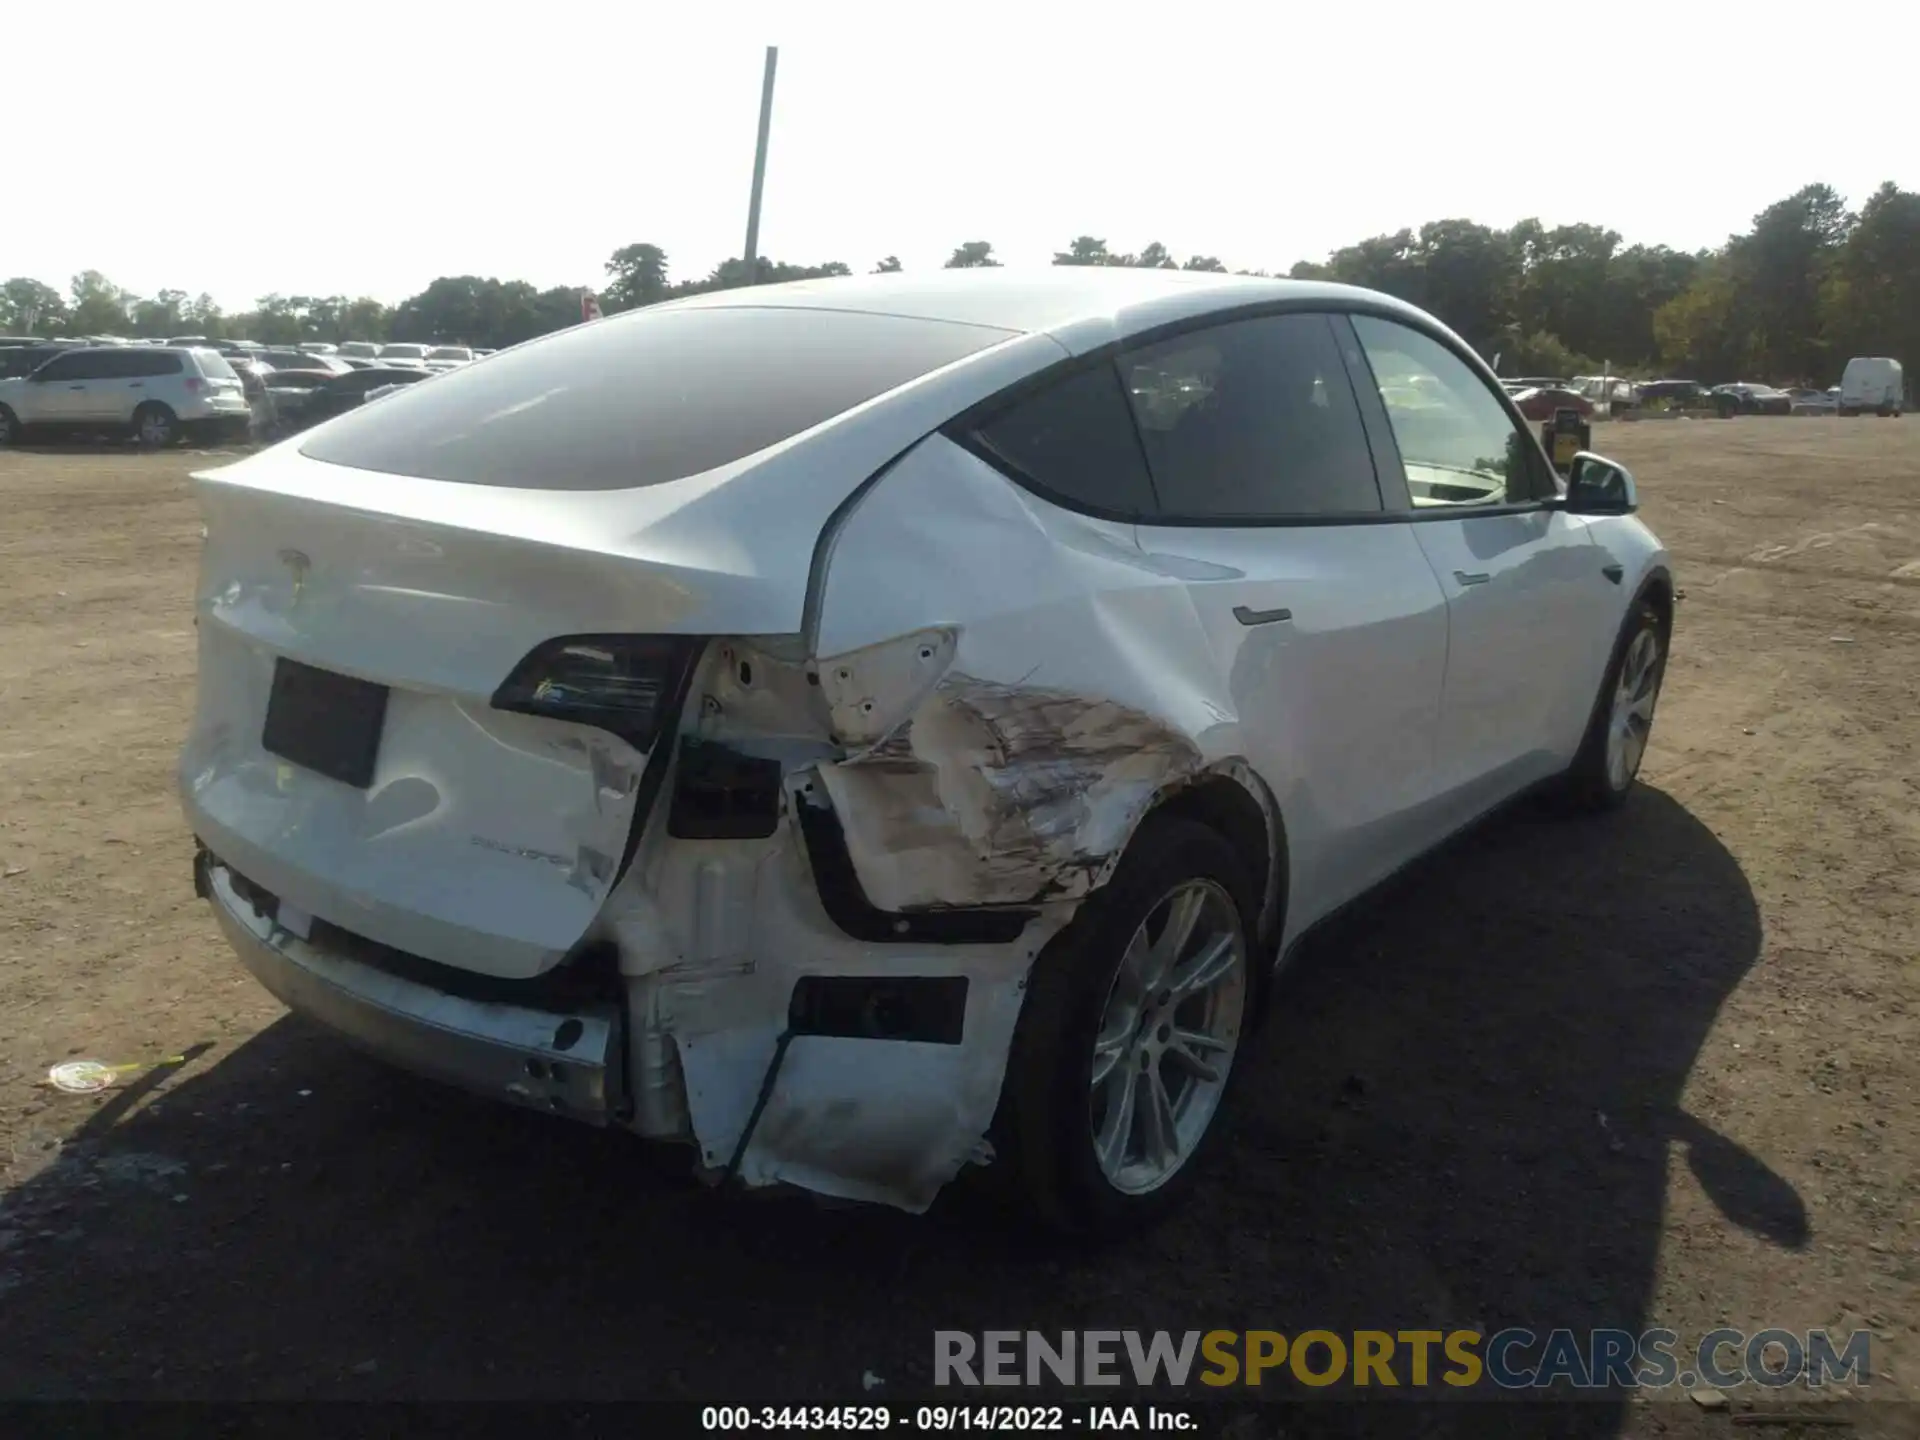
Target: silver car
<point>159,394</point>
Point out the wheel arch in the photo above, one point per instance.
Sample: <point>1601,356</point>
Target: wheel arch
<point>1657,590</point>
<point>1231,799</point>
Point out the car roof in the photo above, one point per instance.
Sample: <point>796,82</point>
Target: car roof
<point>1081,306</point>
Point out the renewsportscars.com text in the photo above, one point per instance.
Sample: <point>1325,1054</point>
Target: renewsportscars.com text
<point>1511,1359</point>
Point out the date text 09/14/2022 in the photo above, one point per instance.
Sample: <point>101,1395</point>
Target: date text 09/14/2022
<point>940,1419</point>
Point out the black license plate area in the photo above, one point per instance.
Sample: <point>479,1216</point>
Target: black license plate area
<point>325,722</point>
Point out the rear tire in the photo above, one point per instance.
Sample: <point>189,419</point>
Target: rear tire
<point>1126,1049</point>
<point>1608,762</point>
<point>155,426</point>
<point>10,427</point>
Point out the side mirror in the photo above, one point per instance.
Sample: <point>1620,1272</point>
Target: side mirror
<point>1599,486</point>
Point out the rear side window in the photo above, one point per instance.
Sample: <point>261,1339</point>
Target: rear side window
<point>163,362</point>
<point>1253,420</point>
<point>1074,440</point>
<point>645,398</point>
<point>213,366</point>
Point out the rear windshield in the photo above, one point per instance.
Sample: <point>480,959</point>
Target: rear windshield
<point>214,365</point>
<point>645,398</point>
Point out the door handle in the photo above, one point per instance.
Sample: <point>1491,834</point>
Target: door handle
<point>136,384</point>
<point>1259,617</point>
<point>1478,578</point>
<point>76,387</point>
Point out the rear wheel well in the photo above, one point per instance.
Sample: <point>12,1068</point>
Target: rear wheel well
<point>1223,805</point>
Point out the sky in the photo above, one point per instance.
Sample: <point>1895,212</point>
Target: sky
<point>366,148</point>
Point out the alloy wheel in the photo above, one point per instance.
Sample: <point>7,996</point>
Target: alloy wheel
<point>1168,1036</point>
<point>1633,698</point>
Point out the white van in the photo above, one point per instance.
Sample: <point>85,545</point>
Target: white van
<point>1872,382</point>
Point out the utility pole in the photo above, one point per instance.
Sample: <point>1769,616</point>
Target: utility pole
<point>752,258</point>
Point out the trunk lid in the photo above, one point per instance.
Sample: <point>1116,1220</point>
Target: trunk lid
<point>484,838</point>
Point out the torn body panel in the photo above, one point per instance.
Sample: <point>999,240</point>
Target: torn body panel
<point>1080,690</point>
<point>997,794</point>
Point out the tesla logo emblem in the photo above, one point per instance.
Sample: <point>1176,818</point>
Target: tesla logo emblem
<point>299,564</point>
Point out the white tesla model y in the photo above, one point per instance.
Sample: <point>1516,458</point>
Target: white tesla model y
<point>870,727</point>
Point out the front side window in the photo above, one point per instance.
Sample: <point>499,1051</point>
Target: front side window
<point>1254,420</point>
<point>80,365</point>
<point>1457,441</point>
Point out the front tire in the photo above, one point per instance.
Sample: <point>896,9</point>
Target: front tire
<point>1126,1046</point>
<point>10,428</point>
<point>155,426</point>
<point>1608,762</point>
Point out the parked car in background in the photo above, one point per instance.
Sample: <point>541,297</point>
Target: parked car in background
<point>448,357</point>
<point>979,681</point>
<point>159,395</point>
<point>291,391</point>
<point>1748,398</point>
<point>301,360</point>
<point>317,347</point>
<point>1540,403</point>
<point>1609,393</point>
<point>349,391</point>
<point>253,375</point>
<point>1678,392</point>
<point>1814,402</point>
<point>1872,382</point>
<point>414,354</point>
<point>356,362</point>
<point>359,350</point>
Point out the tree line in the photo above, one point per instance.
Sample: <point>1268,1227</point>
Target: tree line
<point>1810,283</point>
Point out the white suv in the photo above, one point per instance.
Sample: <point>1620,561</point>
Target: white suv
<point>873,727</point>
<point>158,394</point>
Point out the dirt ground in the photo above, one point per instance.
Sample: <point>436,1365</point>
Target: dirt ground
<point>1661,1068</point>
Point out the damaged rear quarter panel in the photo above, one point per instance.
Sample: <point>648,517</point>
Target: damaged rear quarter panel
<point>1070,685</point>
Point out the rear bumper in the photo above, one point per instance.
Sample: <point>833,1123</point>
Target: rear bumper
<point>565,1063</point>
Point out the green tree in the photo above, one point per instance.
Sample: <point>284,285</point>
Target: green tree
<point>1782,268</point>
<point>1087,250</point>
<point>1389,263</point>
<point>28,305</point>
<point>888,266</point>
<point>201,316</point>
<point>160,315</point>
<point>99,306</point>
<point>1467,279</point>
<point>1562,285</point>
<point>1872,293</point>
<point>637,275</point>
<point>1154,257</point>
<point>973,255</point>
<point>364,319</point>
<point>1204,262</point>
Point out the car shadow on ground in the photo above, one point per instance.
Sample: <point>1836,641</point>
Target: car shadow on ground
<point>1461,1114</point>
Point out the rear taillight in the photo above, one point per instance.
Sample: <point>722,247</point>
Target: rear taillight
<point>195,384</point>
<point>628,685</point>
